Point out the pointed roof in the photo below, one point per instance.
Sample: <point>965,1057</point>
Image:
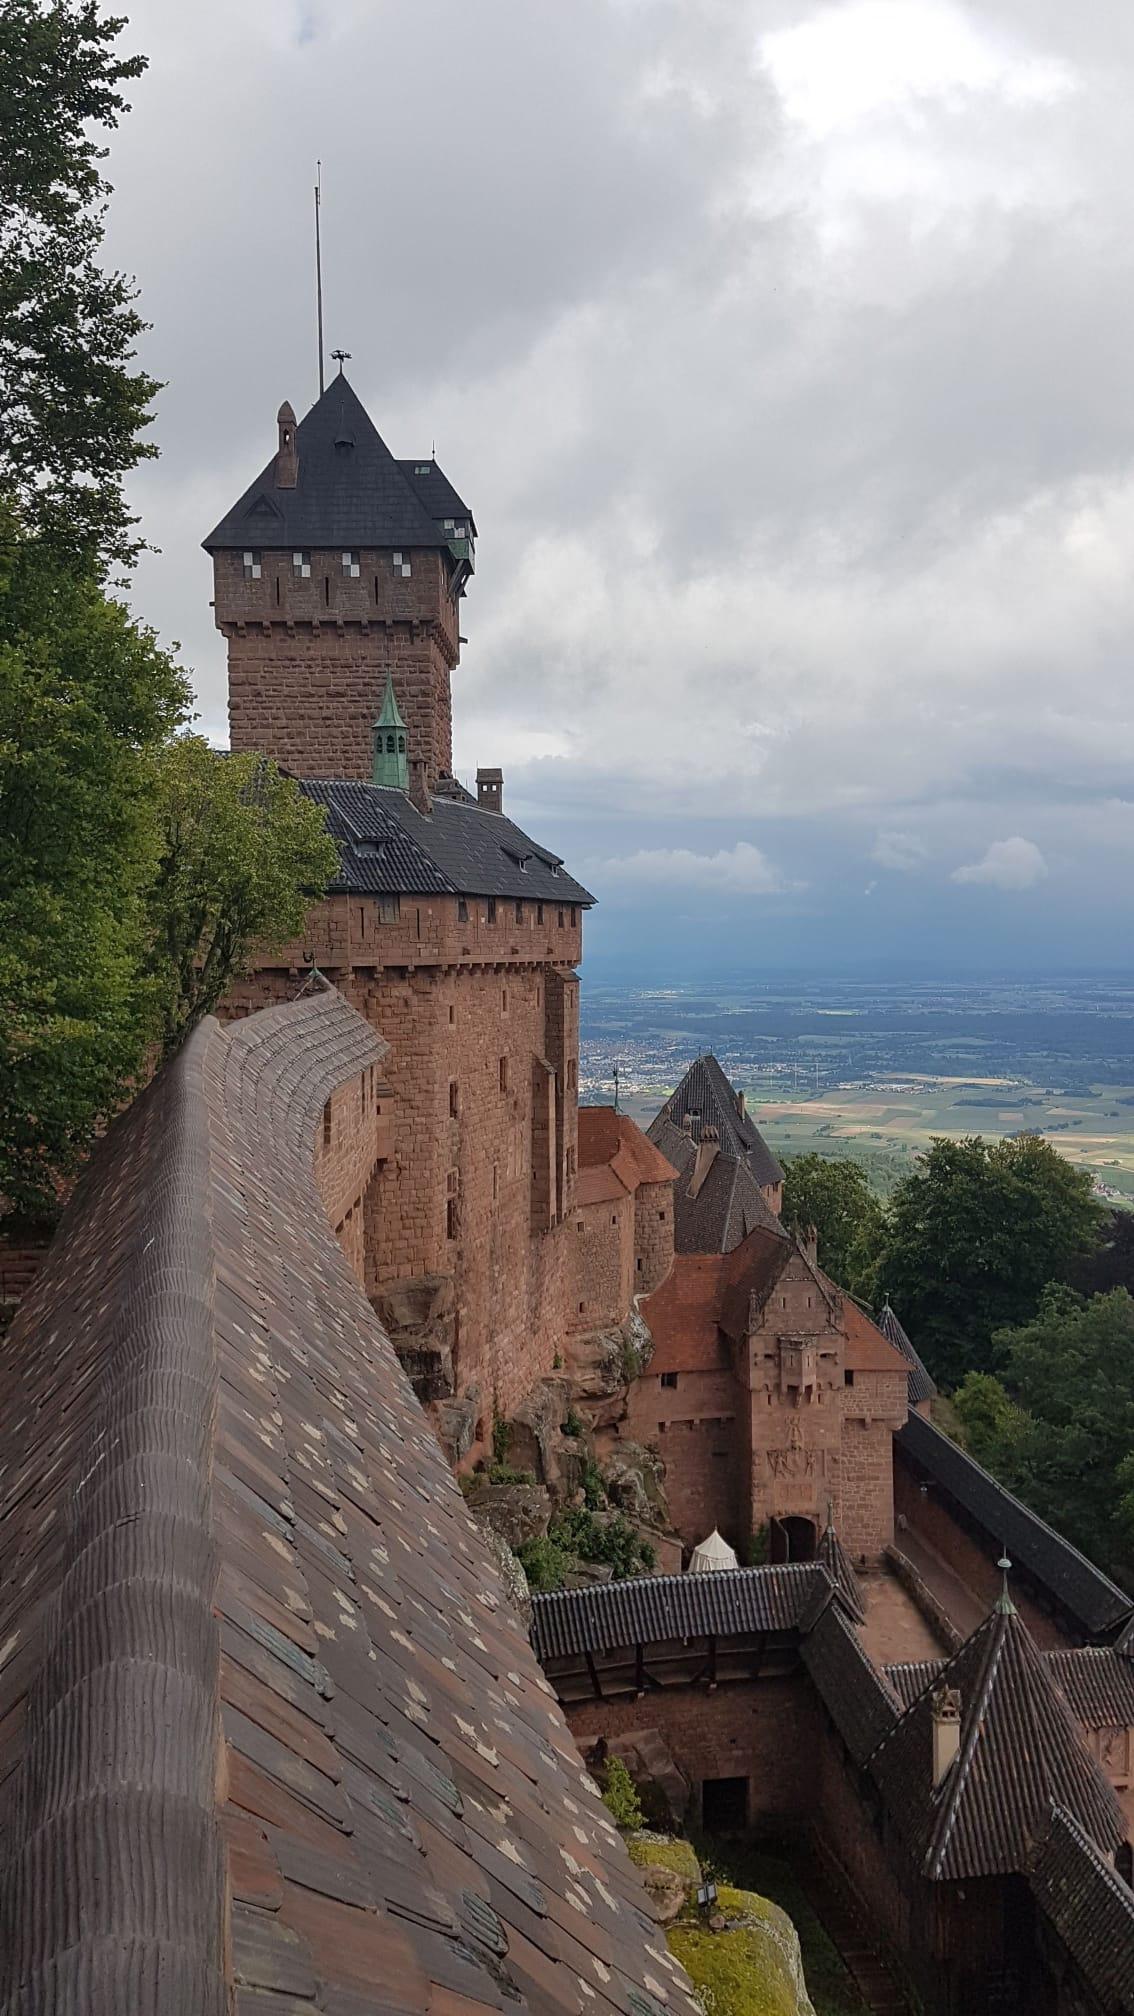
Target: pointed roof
<point>391,715</point>
<point>350,491</point>
<point>1021,1751</point>
<point>921,1386</point>
<point>712,1556</point>
<point>837,1562</point>
<point>707,1097</point>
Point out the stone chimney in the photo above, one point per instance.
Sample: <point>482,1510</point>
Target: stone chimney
<point>809,1241</point>
<point>287,458</point>
<point>946,1706</point>
<point>419,787</point>
<point>741,1103</point>
<point>687,1123</point>
<point>490,790</point>
<point>708,1148</point>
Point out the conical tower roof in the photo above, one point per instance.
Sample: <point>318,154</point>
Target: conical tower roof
<point>391,715</point>
<point>1021,1751</point>
<point>921,1386</point>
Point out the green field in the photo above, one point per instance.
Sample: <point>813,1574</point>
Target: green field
<point>884,1125</point>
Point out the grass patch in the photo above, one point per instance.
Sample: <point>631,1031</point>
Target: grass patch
<point>743,1972</point>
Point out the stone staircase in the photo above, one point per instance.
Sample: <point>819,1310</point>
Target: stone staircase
<point>848,1926</point>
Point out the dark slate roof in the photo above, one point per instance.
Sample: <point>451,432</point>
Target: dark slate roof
<point>1021,1750</point>
<point>855,1694</point>
<point>650,1609</point>
<point>837,1562</point>
<point>706,1095</point>
<point>230,1539</point>
<point>1096,1603</point>
<point>921,1386</point>
<point>729,1205</point>
<point>1096,1681</point>
<point>350,490</point>
<point>388,847</point>
<point>1090,1906</point>
<point>436,492</point>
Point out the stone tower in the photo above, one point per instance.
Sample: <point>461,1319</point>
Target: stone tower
<point>340,570</point>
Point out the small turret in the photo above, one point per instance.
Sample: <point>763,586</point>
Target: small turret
<point>390,766</point>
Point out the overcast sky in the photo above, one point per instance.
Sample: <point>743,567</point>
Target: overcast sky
<point>784,354</point>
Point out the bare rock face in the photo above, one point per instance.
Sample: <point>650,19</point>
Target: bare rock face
<point>665,1890</point>
<point>633,1477</point>
<point>454,1424</point>
<point>419,1317</point>
<point>511,1574</point>
<point>603,1364</point>
<point>536,1440</point>
<point>517,1512</point>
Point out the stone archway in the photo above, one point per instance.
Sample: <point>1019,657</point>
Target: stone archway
<point>793,1539</point>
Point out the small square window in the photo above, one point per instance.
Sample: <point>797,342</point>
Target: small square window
<point>351,566</point>
<point>579,1225</point>
<point>422,468</point>
<point>402,565</point>
<point>252,567</point>
<point>301,566</point>
<point>848,1378</point>
<point>669,1378</point>
<point>389,909</point>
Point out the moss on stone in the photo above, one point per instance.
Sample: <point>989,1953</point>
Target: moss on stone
<point>750,1969</point>
<point>657,1851</point>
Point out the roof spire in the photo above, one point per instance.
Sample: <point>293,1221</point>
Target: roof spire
<point>1004,1603</point>
<point>389,767</point>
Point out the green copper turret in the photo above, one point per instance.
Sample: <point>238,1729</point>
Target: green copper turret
<point>389,760</point>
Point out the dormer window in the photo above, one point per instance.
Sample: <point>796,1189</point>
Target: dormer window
<point>251,566</point>
<point>301,566</point>
<point>402,565</point>
<point>422,468</point>
<point>351,566</point>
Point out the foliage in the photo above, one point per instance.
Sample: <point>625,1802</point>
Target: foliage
<point>545,1564</point>
<point>594,1490</point>
<point>618,1795</point>
<point>243,856</point>
<point>71,406</point>
<point>572,1425</point>
<point>1057,1427</point>
<point>835,1197</point>
<point>614,1540</point>
<point>503,1473</point>
<point>973,1237</point>
<point>86,697</point>
<point>501,1438</point>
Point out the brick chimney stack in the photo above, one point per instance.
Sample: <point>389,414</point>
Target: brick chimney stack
<point>490,790</point>
<point>287,456</point>
<point>741,1102</point>
<point>708,1148</point>
<point>419,786</point>
<point>946,1731</point>
<point>809,1241</point>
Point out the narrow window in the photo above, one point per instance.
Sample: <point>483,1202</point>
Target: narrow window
<point>401,745</point>
<point>390,747</point>
<point>574,916</point>
<point>504,999</point>
<point>519,909</point>
<point>327,590</point>
<point>327,1125</point>
<point>561,920</point>
<point>848,1378</point>
<point>495,1181</point>
<point>277,591</point>
<point>539,913</point>
<point>453,1100</point>
<point>451,1218</point>
<point>452,1014</point>
<point>503,1074</point>
<point>490,910</point>
<point>252,568</point>
<point>462,918</point>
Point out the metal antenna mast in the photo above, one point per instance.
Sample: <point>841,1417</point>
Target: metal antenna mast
<point>319,267</point>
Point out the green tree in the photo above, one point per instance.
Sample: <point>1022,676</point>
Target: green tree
<point>86,696</point>
<point>71,404</point>
<point>243,856</point>
<point>834,1196</point>
<point>1058,1425</point>
<point>973,1237</point>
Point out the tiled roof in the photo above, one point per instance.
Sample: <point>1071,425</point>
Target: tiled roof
<point>852,1689</point>
<point>837,1562</point>
<point>729,1205</point>
<point>1020,1751</point>
<point>868,1349</point>
<point>241,1587</point>
<point>1096,1603</point>
<point>651,1608</point>
<point>682,1316</point>
<point>921,1386</point>
<point>1090,1906</point>
<point>706,1095</point>
<point>350,491</point>
<point>388,847</point>
<point>607,1137</point>
<point>1097,1682</point>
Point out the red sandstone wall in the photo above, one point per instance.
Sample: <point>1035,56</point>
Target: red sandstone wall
<point>694,1428</point>
<point>930,1518</point>
<point>602,1247</point>
<point>653,1236</point>
<point>345,1150</point>
<point>764,1730</point>
<point>863,1481</point>
<point>308,659</point>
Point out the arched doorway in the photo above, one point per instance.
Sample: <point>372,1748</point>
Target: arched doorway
<point>793,1539</point>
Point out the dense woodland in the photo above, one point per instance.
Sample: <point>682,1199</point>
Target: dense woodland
<point>1015,1287</point>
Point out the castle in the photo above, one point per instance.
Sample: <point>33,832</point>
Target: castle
<point>272,1735</point>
